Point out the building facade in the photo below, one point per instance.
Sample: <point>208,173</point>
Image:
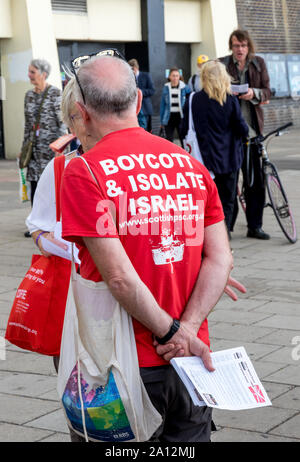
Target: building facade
<point>160,34</point>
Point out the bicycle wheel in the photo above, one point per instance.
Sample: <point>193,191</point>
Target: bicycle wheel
<point>280,205</point>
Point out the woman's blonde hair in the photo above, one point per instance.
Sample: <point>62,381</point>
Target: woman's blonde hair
<point>67,102</point>
<point>216,81</point>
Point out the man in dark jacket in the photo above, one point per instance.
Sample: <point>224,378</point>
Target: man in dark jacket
<point>245,67</point>
<point>145,84</point>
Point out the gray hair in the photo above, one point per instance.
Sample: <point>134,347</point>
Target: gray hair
<point>67,102</point>
<point>42,65</point>
<point>104,93</point>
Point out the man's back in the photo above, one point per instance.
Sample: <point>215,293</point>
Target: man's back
<point>162,199</point>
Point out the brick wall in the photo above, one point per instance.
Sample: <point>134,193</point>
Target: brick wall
<point>274,26</point>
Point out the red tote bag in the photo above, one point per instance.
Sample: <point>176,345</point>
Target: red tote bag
<point>36,319</point>
<point>37,315</point>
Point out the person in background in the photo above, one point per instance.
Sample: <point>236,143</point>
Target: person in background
<point>195,82</point>
<point>42,217</point>
<point>220,129</point>
<point>246,67</point>
<point>50,126</point>
<point>173,99</point>
<point>145,84</point>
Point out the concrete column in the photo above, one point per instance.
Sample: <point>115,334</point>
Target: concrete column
<point>153,32</point>
<point>218,20</point>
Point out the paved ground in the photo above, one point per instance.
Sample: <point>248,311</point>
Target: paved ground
<point>266,321</point>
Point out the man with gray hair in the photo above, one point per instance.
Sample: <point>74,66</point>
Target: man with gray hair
<point>166,257</point>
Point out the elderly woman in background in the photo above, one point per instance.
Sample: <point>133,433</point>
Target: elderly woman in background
<point>50,126</point>
<point>220,129</point>
<point>42,218</point>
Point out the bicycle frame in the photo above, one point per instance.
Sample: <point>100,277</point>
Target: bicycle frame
<point>277,196</point>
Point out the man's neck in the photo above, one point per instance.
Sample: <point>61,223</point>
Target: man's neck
<point>99,129</point>
<point>240,63</point>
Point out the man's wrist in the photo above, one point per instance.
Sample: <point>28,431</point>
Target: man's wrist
<point>173,329</point>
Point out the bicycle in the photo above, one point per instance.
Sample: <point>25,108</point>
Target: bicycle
<point>277,196</point>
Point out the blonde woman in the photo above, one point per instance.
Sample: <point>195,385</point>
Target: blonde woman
<point>220,129</point>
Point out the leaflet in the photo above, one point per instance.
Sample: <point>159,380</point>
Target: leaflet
<point>240,89</point>
<point>234,384</point>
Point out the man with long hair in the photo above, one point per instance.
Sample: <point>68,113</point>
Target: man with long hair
<point>246,67</point>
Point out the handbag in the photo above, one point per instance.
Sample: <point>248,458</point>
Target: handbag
<point>36,319</point>
<point>99,383</point>
<point>27,149</point>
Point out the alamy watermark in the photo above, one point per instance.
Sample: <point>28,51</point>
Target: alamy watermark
<point>2,349</point>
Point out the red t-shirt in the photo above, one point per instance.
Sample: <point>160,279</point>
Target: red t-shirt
<point>161,199</point>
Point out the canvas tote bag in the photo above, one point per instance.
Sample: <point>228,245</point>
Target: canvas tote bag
<point>190,142</point>
<point>99,382</point>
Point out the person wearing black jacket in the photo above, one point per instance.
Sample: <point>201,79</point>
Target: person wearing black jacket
<point>145,84</point>
<point>220,128</point>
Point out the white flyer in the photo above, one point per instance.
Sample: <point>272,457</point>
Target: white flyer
<point>233,385</point>
<point>240,89</point>
<point>62,248</point>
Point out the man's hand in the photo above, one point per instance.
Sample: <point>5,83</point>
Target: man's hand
<point>185,343</point>
<point>237,285</point>
<point>247,96</point>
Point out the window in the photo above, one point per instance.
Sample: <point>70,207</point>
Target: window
<point>70,6</point>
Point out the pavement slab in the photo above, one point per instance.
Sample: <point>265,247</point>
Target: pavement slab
<point>265,320</point>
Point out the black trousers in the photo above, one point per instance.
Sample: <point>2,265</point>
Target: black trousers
<point>173,124</point>
<point>33,185</point>
<point>255,193</point>
<point>226,184</point>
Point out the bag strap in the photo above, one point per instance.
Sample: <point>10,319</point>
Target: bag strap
<point>90,170</point>
<point>37,120</point>
<point>193,82</point>
<point>41,105</point>
<point>191,121</point>
<point>59,165</point>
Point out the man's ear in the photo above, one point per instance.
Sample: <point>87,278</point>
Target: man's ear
<point>139,101</point>
<point>83,111</point>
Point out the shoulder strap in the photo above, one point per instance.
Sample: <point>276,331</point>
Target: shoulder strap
<point>41,105</point>
<point>37,121</point>
<point>193,82</point>
<point>191,121</point>
<point>59,165</point>
<point>89,169</point>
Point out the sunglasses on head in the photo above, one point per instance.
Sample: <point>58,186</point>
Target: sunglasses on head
<point>76,63</point>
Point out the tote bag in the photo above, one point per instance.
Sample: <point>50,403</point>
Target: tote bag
<point>190,142</point>
<point>99,384</point>
<point>36,318</point>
